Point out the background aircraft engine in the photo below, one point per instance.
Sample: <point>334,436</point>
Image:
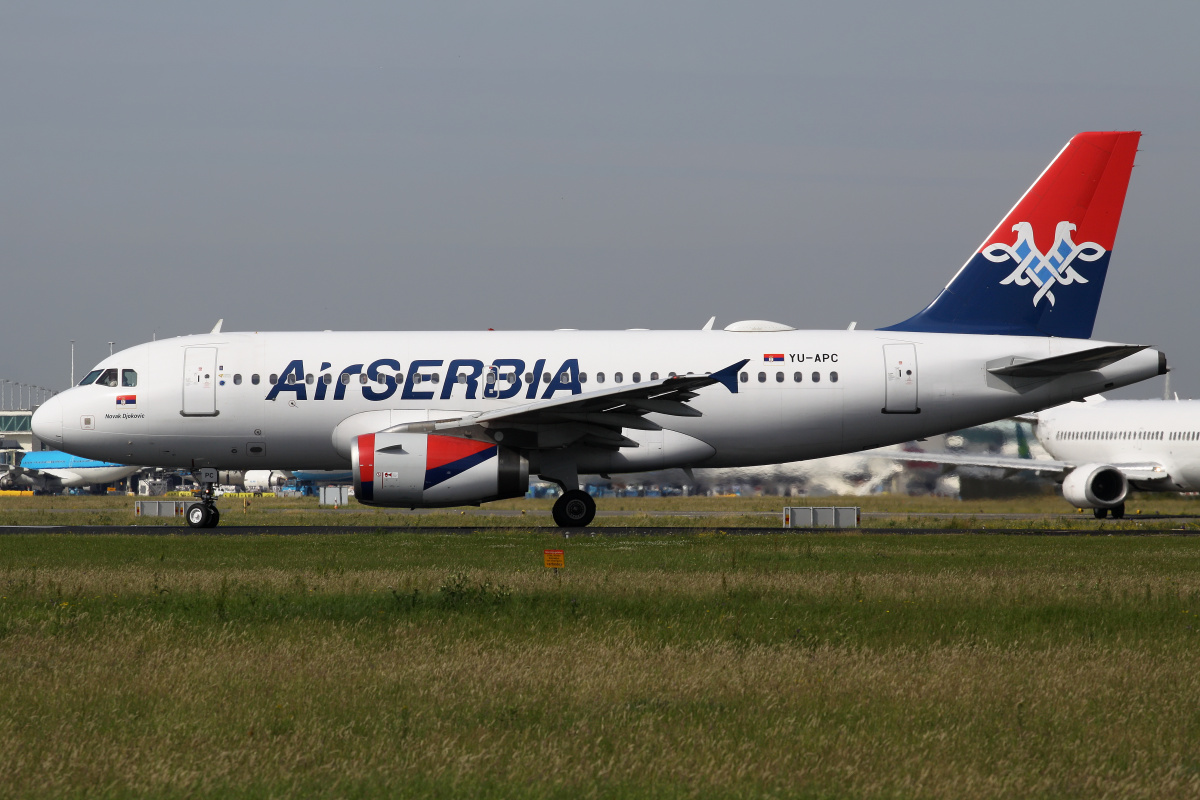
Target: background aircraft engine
<point>421,470</point>
<point>1095,486</point>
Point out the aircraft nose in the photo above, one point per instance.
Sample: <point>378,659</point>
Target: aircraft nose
<point>47,422</point>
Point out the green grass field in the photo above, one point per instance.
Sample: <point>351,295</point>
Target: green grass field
<point>832,665</point>
<point>711,513</point>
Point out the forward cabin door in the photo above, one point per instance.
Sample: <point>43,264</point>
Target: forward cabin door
<point>200,382</point>
<point>900,363</point>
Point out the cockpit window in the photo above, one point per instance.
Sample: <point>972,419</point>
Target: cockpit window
<point>90,377</point>
<point>128,377</point>
<point>108,377</point>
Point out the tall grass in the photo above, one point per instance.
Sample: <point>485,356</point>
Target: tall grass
<point>830,665</point>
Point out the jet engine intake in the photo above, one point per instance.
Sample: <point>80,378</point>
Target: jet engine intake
<point>421,470</point>
<point>1095,486</point>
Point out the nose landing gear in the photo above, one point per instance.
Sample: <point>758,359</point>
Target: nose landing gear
<point>204,514</point>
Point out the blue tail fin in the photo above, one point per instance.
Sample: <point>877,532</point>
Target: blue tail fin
<point>1041,271</point>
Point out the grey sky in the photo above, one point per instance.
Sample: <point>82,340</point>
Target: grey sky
<point>542,165</point>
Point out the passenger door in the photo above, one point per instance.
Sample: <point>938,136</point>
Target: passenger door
<point>900,365</point>
<point>200,382</point>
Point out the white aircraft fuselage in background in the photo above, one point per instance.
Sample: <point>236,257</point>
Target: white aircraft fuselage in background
<point>1099,449</point>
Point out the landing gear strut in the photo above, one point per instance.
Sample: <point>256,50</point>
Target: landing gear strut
<point>204,514</point>
<point>574,509</point>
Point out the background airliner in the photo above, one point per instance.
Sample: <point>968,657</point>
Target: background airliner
<point>430,419</point>
<point>1101,448</point>
<point>52,471</point>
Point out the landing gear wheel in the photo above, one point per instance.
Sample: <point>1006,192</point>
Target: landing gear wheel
<point>214,517</point>
<point>1118,511</point>
<point>1100,513</point>
<point>574,509</point>
<point>199,516</point>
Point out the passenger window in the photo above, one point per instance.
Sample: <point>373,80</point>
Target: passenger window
<point>274,378</point>
<point>237,379</point>
<point>291,379</point>
<point>108,378</point>
<point>565,377</point>
<point>491,378</point>
<point>362,377</point>
<point>529,377</point>
<point>90,377</point>
<point>416,378</point>
<point>618,377</point>
<point>254,379</point>
<point>345,378</point>
<point>653,376</point>
<point>762,377</point>
<point>743,377</point>
<point>779,377</point>
<point>583,377</point>
<point>833,376</point>
<point>545,377</point>
<point>599,377</point>
<point>381,379</point>
<point>637,377</point>
<point>816,377</point>
<point>308,379</point>
<point>437,378</point>
<point>798,377</point>
<point>128,377</point>
<point>462,378</point>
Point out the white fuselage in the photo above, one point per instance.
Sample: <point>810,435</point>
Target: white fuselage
<point>856,390</point>
<point>1160,432</point>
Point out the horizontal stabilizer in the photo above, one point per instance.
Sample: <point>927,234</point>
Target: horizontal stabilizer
<point>1082,361</point>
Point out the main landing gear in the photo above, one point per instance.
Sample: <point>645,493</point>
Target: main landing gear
<point>574,509</point>
<point>204,514</point>
<point>1117,511</point>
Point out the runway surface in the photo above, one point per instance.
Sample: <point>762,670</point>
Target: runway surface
<point>549,530</point>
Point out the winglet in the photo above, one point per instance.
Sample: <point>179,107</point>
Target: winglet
<point>728,377</point>
<point>708,325</point>
<point>217,327</point>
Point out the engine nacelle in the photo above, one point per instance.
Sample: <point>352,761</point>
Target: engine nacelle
<point>422,470</point>
<point>1095,486</point>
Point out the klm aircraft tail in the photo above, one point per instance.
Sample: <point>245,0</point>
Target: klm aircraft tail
<point>1041,271</point>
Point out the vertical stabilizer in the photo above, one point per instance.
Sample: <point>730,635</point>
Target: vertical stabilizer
<point>1042,270</point>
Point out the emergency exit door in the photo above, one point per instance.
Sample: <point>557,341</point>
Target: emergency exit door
<point>200,382</point>
<point>900,364</point>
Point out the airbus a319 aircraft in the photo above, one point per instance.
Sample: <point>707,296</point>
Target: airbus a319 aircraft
<point>430,419</point>
<point>1101,448</point>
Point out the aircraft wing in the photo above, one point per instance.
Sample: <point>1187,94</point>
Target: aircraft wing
<point>595,418</point>
<point>1136,471</point>
<point>976,460</point>
<point>19,476</point>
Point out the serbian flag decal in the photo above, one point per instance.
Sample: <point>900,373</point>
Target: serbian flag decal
<point>772,356</point>
<point>447,456</point>
<point>127,399</point>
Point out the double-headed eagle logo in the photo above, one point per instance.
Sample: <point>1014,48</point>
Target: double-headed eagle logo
<point>1039,269</point>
